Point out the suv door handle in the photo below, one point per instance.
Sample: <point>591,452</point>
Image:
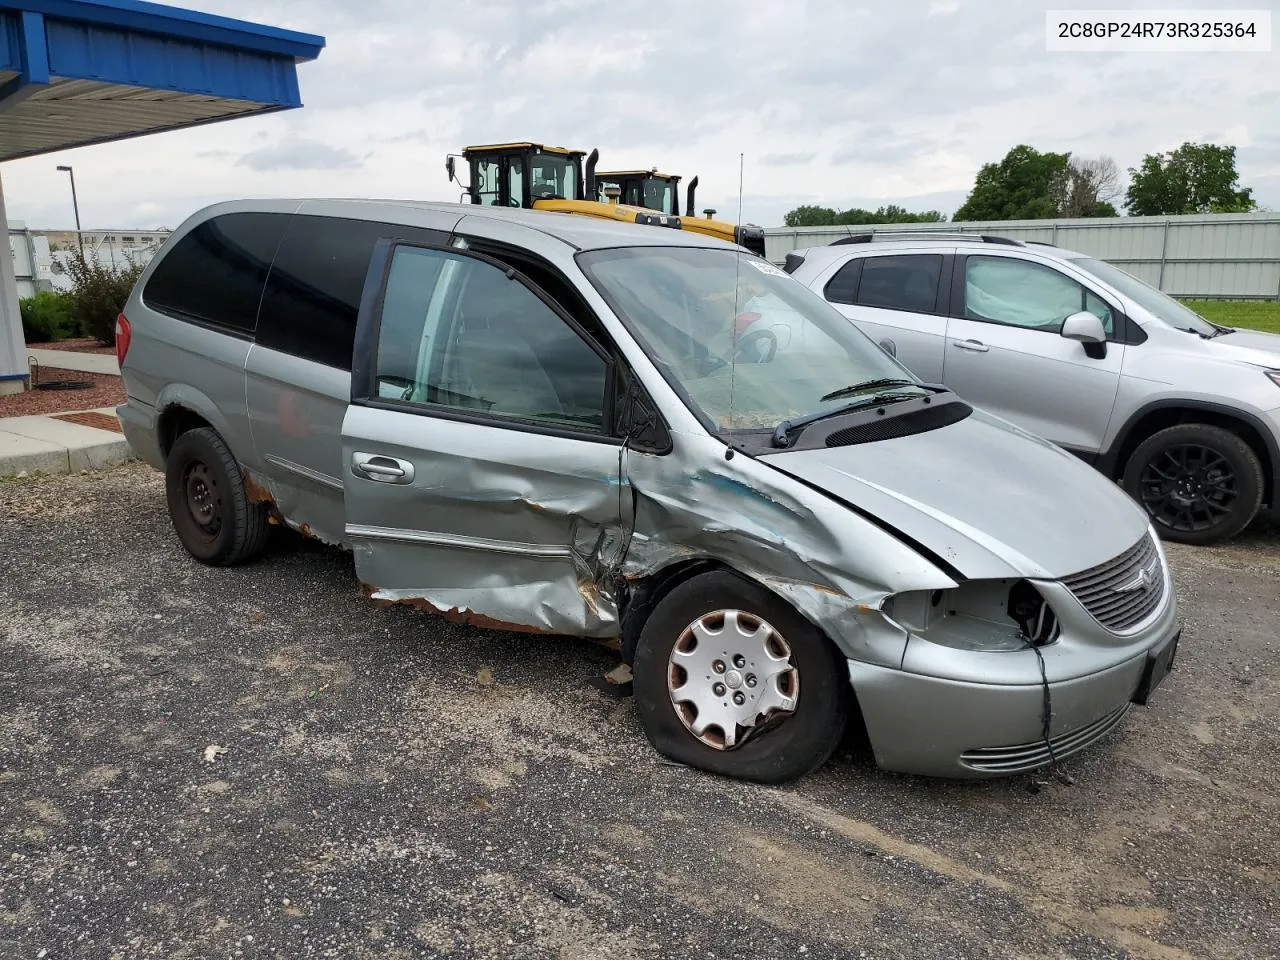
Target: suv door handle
<point>382,469</point>
<point>977,346</point>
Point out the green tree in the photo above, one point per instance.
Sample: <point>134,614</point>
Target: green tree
<point>1195,178</point>
<point>1025,185</point>
<point>810,216</point>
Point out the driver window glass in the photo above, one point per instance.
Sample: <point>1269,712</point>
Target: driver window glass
<point>486,185</point>
<point>458,333</point>
<point>1019,293</point>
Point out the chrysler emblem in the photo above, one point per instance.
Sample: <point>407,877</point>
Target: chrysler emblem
<point>1143,580</point>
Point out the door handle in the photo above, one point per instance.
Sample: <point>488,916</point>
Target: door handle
<point>382,469</point>
<point>977,346</point>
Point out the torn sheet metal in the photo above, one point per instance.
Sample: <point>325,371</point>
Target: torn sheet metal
<point>309,514</point>
<point>546,550</point>
<point>831,565</point>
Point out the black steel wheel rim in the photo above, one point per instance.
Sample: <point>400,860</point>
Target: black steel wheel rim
<point>203,498</point>
<point>1188,487</point>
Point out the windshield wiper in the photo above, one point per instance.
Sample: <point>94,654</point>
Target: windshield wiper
<point>782,432</point>
<point>856,388</point>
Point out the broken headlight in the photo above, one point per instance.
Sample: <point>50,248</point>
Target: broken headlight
<point>985,615</point>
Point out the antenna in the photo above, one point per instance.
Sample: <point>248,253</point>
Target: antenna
<point>740,163</point>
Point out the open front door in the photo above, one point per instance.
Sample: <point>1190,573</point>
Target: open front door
<point>481,480</point>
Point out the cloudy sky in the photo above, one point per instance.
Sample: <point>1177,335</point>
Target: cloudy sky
<point>830,101</point>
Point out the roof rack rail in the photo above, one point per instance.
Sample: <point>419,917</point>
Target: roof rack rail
<point>934,235</point>
<point>1040,243</point>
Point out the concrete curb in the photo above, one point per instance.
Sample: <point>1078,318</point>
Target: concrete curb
<point>46,445</point>
<point>102,363</point>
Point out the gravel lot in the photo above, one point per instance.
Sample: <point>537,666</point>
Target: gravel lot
<point>396,786</point>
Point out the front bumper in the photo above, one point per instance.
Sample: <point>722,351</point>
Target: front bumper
<point>967,715</point>
<point>950,728</point>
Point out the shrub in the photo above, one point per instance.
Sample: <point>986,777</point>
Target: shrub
<point>48,316</point>
<point>98,294</point>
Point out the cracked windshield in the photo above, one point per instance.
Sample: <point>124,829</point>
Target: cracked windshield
<point>747,345</point>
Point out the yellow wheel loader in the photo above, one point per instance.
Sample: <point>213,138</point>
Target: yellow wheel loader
<point>539,177</point>
<point>661,191</point>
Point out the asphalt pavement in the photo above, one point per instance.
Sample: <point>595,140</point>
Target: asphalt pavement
<point>259,762</point>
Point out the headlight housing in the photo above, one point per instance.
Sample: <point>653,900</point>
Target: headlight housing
<point>983,615</point>
<point>1273,376</point>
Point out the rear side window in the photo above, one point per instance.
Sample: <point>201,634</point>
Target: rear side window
<point>908,282</point>
<point>312,296</point>
<point>214,274</point>
<point>843,287</point>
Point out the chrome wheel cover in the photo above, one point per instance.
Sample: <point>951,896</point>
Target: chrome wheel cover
<point>729,674</point>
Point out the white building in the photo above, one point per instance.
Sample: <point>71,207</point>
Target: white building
<point>52,249</point>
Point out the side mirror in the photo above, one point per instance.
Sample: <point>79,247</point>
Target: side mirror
<point>449,168</point>
<point>889,347</point>
<point>1085,327</point>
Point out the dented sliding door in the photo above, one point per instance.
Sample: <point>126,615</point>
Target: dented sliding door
<point>479,475</point>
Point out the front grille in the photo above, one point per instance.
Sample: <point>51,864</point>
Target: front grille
<point>1122,592</point>
<point>1028,756</point>
<point>903,425</point>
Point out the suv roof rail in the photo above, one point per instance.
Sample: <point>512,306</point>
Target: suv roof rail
<point>933,235</point>
<point>1041,243</point>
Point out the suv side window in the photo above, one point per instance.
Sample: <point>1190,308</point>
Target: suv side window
<point>312,295</point>
<point>1020,293</point>
<point>906,282</point>
<point>465,335</point>
<point>214,274</point>
<point>843,287</point>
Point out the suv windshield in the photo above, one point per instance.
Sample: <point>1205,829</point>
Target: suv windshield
<point>745,344</point>
<point>1161,305</point>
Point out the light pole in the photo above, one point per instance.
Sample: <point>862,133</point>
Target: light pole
<point>75,204</point>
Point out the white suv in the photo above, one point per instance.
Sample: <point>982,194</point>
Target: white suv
<point>1184,413</point>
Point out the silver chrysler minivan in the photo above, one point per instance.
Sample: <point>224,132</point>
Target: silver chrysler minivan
<point>539,422</point>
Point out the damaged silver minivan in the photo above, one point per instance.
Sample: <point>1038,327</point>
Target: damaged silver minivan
<point>539,422</point>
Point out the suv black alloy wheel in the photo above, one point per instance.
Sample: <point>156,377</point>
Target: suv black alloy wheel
<point>1198,483</point>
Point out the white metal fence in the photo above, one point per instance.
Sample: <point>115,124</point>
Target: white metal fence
<point>1225,256</point>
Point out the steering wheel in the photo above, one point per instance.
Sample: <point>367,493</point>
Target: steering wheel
<point>753,339</point>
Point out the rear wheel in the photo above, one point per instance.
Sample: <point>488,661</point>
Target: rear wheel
<point>207,502</point>
<point>730,679</point>
<point>1197,482</point>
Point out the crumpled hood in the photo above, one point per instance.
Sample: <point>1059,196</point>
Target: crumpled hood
<point>1251,346</point>
<point>987,497</point>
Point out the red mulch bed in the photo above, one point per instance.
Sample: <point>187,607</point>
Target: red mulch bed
<point>79,345</point>
<point>108,391</point>
<point>91,418</point>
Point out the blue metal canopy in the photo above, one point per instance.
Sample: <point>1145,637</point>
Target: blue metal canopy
<point>77,72</point>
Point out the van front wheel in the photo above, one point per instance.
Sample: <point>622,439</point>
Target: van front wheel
<point>207,503</point>
<point>730,679</point>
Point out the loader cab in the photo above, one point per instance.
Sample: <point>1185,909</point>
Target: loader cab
<point>520,174</point>
<point>645,188</point>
